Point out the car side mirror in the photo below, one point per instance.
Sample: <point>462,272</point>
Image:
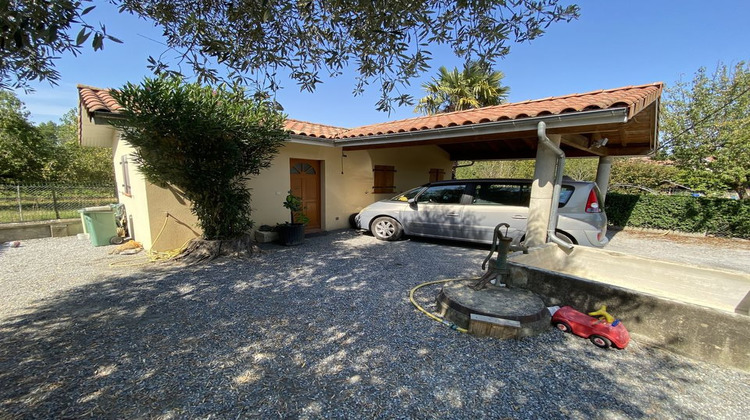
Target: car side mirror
<point>412,202</point>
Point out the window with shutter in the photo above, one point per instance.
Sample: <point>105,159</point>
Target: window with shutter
<point>437,174</point>
<point>125,174</point>
<point>384,176</point>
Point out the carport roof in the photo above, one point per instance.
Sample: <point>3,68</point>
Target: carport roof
<point>626,117</point>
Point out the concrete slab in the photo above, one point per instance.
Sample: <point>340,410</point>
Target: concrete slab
<point>719,289</point>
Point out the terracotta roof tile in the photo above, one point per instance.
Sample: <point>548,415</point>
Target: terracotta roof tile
<point>95,99</point>
<point>304,128</point>
<point>100,100</point>
<point>634,98</point>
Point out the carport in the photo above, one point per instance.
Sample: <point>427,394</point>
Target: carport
<point>603,124</point>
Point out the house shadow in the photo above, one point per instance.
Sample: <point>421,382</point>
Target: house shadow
<point>325,327</point>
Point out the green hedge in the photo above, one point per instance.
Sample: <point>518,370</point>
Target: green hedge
<point>716,216</point>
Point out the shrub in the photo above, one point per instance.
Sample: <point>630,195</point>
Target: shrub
<point>716,216</point>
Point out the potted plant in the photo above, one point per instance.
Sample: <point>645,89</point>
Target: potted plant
<point>293,233</point>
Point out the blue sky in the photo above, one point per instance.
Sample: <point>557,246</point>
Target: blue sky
<point>612,44</point>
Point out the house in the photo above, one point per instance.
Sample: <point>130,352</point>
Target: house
<point>338,171</point>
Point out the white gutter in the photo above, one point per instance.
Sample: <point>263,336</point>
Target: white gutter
<point>312,141</point>
<point>560,167</point>
<point>599,116</point>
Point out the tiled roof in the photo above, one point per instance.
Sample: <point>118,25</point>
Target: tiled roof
<point>634,98</point>
<point>100,100</point>
<point>304,128</point>
<point>95,99</point>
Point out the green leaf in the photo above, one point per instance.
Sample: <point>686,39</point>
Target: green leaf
<point>83,35</point>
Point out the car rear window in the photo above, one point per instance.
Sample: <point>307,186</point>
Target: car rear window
<point>566,191</point>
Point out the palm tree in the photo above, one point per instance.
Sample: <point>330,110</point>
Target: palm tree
<point>474,87</point>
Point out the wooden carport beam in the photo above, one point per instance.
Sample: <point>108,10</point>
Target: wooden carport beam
<point>581,142</point>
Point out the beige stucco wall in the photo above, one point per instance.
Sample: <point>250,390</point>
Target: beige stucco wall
<point>412,164</point>
<point>346,183</point>
<point>95,135</point>
<point>343,193</point>
<point>147,207</point>
<point>136,204</point>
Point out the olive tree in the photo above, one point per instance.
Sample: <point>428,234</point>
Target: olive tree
<point>388,42</point>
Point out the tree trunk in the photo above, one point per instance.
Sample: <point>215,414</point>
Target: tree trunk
<point>204,250</point>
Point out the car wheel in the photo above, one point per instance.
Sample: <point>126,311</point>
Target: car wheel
<point>565,237</point>
<point>562,326</point>
<point>600,341</point>
<point>386,229</point>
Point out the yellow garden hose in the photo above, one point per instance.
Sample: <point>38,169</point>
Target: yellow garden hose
<point>431,315</point>
<point>155,256</point>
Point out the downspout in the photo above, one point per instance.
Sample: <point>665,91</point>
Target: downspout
<point>541,129</point>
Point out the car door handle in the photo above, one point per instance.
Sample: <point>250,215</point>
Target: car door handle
<point>520,216</point>
<point>452,214</point>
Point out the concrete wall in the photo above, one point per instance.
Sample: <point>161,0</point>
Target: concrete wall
<point>697,331</point>
<point>42,229</point>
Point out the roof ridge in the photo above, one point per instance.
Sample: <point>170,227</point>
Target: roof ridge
<point>82,86</point>
<point>314,123</point>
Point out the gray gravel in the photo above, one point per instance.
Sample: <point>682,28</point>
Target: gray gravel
<point>323,330</point>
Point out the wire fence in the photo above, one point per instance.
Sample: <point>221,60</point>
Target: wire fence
<point>24,203</point>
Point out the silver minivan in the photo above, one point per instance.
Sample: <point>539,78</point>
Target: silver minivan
<point>469,210</point>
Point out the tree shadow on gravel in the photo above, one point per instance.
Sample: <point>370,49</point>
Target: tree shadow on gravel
<point>323,329</point>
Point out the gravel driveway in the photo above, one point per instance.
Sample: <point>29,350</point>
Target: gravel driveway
<point>323,330</point>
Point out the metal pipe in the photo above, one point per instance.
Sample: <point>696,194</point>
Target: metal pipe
<point>560,167</point>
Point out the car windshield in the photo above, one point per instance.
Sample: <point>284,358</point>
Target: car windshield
<point>406,196</point>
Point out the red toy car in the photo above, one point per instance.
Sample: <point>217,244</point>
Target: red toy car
<point>604,331</point>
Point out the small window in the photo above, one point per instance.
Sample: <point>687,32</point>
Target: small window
<point>125,175</point>
<point>437,174</point>
<point>384,176</point>
<point>442,194</point>
<point>302,168</point>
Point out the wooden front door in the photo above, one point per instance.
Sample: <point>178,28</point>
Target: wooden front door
<point>304,177</point>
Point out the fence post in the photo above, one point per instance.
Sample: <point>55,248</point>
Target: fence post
<point>54,203</point>
<point>18,197</point>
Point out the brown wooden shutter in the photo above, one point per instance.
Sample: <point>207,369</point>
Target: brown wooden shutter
<point>384,176</point>
<point>437,174</point>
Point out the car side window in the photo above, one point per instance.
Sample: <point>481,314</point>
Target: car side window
<point>442,194</point>
<point>502,194</point>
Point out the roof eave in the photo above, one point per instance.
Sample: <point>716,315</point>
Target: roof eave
<point>595,117</point>
<point>309,140</point>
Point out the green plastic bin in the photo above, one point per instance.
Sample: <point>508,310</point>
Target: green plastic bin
<point>99,223</point>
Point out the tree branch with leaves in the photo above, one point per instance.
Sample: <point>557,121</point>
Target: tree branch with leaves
<point>389,43</point>
<point>706,124</point>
